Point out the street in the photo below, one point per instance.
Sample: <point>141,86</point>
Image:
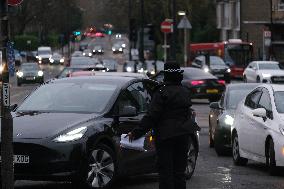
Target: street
<point>212,172</point>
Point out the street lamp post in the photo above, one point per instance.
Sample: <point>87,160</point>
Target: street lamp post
<point>141,42</point>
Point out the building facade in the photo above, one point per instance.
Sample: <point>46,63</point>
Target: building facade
<point>258,21</point>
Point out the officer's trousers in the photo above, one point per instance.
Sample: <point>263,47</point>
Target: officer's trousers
<point>172,160</point>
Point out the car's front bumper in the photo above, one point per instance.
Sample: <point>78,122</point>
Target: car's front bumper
<point>30,79</point>
<point>50,160</point>
<point>278,140</point>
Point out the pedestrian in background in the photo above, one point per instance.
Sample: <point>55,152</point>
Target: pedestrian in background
<point>169,116</point>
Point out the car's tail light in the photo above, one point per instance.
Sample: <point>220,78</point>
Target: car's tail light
<point>197,82</point>
<point>221,82</point>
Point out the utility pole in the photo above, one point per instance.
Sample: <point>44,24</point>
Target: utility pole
<point>174,34</point>
<point>7,167</point>
<point>141,42</point>
<point>129,29</point>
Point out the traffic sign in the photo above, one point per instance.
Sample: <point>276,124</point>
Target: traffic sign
<point>184,23</point>
<point>6,95</point>
<point>167,26</point>
<point>14,2</point>
<point>11,58</point>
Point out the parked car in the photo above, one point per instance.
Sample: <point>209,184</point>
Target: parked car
<point>216,66</point>
<point>202,85</point>
<point>70,129</point>
<point>264,72</point>
<point>57,59</point>
<point>258,131</point>
<point>221,116</point>
<point>29,73</point>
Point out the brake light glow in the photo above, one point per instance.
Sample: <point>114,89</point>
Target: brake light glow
<point>221,82</point>
<point>198,82</point>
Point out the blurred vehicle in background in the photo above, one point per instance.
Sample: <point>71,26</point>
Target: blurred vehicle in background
<point>29,73</point>
<point>18,58</point>
<point>88,53</point>
<point>99,34</point>
<point>264,72</point>
<point>110,65</point>
<point>216,66</point>
<point>118,36</point>
<point>31,56</point>
<point>77,54</point>
<point>44,54</point>
<point>153,67</point>
<point>236,53</point>
<point>98,49</point>
<point>86,61</point>
<point>133,66</point>
<point>57,59</point>
<point>112,74</point>
<point>68,70</point>
<point>121,43</point>
<point>202,85</point>
<point>222,114</point>
<point>117,48</point>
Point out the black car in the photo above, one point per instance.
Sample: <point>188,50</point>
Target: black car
<point>222,114</point>
<point>216,66</point>
<point>202,85</point>
<point>70,129</point>
<point>30,73</point>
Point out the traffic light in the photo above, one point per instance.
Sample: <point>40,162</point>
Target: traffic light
<point>77,33</point>
<point>109,32</point>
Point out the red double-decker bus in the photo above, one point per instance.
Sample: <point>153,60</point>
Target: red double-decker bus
<point>236,53</point>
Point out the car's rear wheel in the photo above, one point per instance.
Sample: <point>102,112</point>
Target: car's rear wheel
<point>270,158</point>
<point>211,141</point>
<point>191,159</point>
<point>258,79</point>
<point>245,79</point>
<point>238,160</point>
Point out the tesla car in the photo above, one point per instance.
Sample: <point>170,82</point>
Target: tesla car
<point>264,72</point>
<point>70,129</point>
<point>221,116</point>
<point>202,85</point>
<point>258,131</point>
<point>29,73</point>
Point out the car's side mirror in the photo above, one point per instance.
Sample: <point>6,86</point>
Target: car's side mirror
<point>260,112</point>
<point>215,105</point>
<point>13,107</point>
<point>128,111</point>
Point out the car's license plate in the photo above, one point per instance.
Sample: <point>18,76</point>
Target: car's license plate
<point>20,159</point>
<point>30,78</point>
<point>212,91</point>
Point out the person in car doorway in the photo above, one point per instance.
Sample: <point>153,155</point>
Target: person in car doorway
<point>170,118</point>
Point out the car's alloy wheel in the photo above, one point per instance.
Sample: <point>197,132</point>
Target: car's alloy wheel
<point>258,79</point>
<point>101,170</point>
<point>211,142</point>
<point>238,160</point>
<point>191,160</point>
<point>245,79</point>
<point>270,159</point>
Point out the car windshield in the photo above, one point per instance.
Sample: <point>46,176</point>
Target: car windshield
<point>235,96</point>
<point>74,97</point>
<point>215,60</point>
<point>269,67</point>
<point>44,52</point>
<point>30,67</point>
<point>279,101</point>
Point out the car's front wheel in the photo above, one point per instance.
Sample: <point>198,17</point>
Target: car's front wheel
<point>238,160</point>
<point>270,158</point>
<point>191,159</point>
<point>101,169</point>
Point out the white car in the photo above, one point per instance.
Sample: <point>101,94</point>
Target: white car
<point>264,72</point>
<point>258,128</point>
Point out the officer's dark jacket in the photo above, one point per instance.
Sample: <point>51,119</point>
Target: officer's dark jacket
<point>169,114</point>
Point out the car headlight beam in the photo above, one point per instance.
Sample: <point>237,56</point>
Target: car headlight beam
<point>20,74</point>
<point>40,73</point>
<point>128,69</point>
<point>73,135</point>
<point>206,70</point>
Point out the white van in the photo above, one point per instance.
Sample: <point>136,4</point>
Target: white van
<point>44,54</point>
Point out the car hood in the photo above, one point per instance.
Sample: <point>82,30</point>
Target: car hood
<point>45,125</point>
<point>218,67</point>
<point>272,72</point>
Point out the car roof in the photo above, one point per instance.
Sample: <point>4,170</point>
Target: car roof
<point>118,80</point>
<point>275,87</point>
<point>113,74</point>
<point>266,62</point>
<point>233,86</point>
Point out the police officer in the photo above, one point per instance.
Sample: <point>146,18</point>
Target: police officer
<point>169,117</point>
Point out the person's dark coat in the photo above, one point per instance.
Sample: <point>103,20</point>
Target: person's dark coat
<point>169,113</point>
